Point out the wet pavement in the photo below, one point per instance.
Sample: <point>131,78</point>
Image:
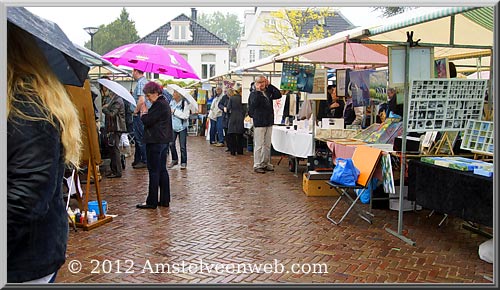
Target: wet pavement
<point>227,224</point>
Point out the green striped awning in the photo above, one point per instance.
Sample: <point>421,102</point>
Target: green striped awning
<point>482,16</point>
<point>448,11</point>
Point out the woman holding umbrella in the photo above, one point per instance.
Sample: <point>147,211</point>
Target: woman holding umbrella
<point>180,108</point>
<point>43,135</point>
<point>157,135</point>
<point>114,111</point>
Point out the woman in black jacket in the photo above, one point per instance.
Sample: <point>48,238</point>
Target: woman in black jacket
<point>236,126</point>
<point>43,134</point>
<point>158,134</point>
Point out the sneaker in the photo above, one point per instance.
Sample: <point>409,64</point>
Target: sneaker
<point>183,166</point>
<point>219,145</point>
<point>269,168</point>
<point>259,170</point>
<point>173,163</point>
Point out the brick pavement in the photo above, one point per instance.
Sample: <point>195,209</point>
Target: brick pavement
<point>223,213</point>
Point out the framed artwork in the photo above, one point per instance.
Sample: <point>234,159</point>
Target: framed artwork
<point>378,86</point>
<point>444,104</point>
<point>319,85</point>
<point>441,68</point>
<point>297,77</point>
<point>342,76</point>
<point>202,97</point>
<point>478,137</point>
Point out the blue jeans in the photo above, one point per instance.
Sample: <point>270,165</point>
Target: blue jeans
<point>183,144</point>
<point>158,174</point>
<point>140,147</point>
<point>220,130</point>
<point>213,131</point>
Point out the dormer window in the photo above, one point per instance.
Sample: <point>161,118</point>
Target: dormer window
<point>180,31</point>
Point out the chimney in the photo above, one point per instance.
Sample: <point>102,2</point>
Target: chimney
<point>193,14</point>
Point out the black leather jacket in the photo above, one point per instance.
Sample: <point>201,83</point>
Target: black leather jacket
<point>37,223</point>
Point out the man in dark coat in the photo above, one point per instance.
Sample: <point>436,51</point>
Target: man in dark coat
<point>260,109</point>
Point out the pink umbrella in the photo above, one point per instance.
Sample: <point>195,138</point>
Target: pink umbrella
<point>151,58</point>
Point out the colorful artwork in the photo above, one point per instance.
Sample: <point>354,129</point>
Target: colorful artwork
<point>388,178</point>
<point>297,77</point>
<point>378,86</point>
<point>367,132</point>
<point>387,132</point>
<point>201,99</point>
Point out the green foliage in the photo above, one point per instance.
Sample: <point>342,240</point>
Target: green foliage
<point>393,10</point>
<point>228,27</point>
<point>180,83</point>
<point>119,32</point>
<point>287,28</point>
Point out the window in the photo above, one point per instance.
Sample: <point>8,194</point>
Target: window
<point>263,54</point>
<point>252,55</point>
<point>180,31</point>
<point>208,61</point>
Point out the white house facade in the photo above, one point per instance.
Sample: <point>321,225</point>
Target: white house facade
<point>207,54</point>
<point>252,43</point>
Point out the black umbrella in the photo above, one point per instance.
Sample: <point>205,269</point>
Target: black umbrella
<point>61,54</point>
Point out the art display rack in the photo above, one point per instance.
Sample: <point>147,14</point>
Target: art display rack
<point>478,137</point>
<point>444,104</point>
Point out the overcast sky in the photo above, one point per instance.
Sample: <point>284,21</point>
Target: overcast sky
<point>72,20</point>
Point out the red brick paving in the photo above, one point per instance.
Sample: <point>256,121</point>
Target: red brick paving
<point>222,212</point>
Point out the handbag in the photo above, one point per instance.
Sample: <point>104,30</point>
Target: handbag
<point>345,172</point>
<point>110,139</point>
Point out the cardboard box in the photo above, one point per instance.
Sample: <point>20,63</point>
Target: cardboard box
<point>317,187</point>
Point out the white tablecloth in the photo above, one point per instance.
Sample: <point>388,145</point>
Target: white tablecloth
<point>292,142</point>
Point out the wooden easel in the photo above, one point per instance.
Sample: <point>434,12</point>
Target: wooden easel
<point>444,139</point>
<point>90,155</point>
<point>91,172</point>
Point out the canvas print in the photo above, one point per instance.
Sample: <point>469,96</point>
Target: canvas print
<point>297,77</point>
<point>359,87</point>
<point>441,70</point>
<point>378,86</point>
<point>388,178</point>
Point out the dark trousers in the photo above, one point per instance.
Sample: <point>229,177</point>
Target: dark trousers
<point>158,174</point>
<point>115,165</point>
<point>140,147</point>
<point>183,146</point>
<point>235,143</point>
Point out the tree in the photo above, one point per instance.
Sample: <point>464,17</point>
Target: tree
<point>119,32</point>
<point>288,28</point>
<point>228,27</point>
<point>391,11</point>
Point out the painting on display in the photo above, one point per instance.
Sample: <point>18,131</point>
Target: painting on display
<point>342,79</point>
<point>441,68</point>
<point>202,97</point>
<point>359,87</point>
<point>378,86</point>
<point>297,77</point>
<point>387,132</point>
<point>388,178</point>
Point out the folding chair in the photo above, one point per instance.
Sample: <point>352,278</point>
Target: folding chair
<point>365,159</point>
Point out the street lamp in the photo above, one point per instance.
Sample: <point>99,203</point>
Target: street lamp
<point>91,31</point>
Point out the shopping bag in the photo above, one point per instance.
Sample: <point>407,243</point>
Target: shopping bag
<point>345,172</point>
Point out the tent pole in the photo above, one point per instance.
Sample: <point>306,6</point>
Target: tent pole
<point>399,233</point>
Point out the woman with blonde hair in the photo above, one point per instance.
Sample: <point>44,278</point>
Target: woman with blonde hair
<point>43,135</point>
